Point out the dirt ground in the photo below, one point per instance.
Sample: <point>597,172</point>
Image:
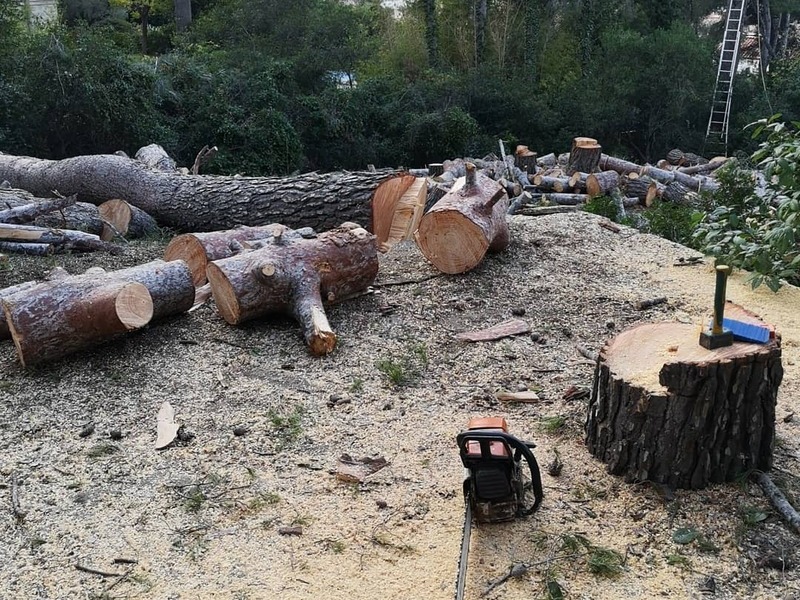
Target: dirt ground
<point>202,519</point>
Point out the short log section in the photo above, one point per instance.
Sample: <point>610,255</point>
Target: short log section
<point>665,409</point>
<point>295,275</point>
<point>469,221</point>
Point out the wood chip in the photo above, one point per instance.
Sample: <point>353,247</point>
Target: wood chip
<point>610,226</point>
<point>496,332</point>
<point>167,427</point>
<point>293,530</point>
<point>518,397</point>
<point>650,302</point>
<point>355,470</point>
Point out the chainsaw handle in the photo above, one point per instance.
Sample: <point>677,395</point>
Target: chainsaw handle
<point>520,448</point>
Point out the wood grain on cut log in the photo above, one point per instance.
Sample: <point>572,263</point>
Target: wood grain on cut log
<point>397,207</point>
<point>204,202</point>
<point>600,184</point>
<point>121,218</point>
<point>296,276</point>
<point>667,410</point>
<point>199,249</point>
<point>58,318</point>
<point>457,232</point>
<point>584,155</point>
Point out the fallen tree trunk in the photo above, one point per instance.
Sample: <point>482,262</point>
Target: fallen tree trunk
<point>55,319</point>
<point>81,216</point>
<point>624,167</point>
<point>123,219</point>
<point>562,198</point>
<point>703,416</point>
<point>712,165</point>
<point>203,202</point>
<point>31,249</point>
<point>296,275</point>
<point>54,275</point>
<point>466,224</point>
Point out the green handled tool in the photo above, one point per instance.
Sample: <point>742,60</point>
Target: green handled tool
<point>717,336</point>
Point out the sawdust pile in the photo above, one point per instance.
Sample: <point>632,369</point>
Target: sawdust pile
<point>265,424</point>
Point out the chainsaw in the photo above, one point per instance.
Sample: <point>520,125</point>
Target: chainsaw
<point>495,482</point>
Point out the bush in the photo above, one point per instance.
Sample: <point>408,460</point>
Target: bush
<point>761,232</point>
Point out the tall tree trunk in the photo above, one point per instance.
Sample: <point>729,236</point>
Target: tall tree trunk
<point>183,14</point>
<point>144,21</point>
<point>481,18</point>
<point>765,24</point>
<point>533,17</point>
<point>431,32</point>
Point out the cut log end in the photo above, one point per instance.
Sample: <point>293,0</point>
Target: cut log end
<point>117,215</point>
<point>224,294</point>
<point>451,241</point>
<point>188,248</point>
<point>134,306</point>
<point>319,335</point>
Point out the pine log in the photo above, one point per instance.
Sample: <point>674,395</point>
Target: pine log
<point>62,239</point>
<point>556,198</point>
<point>676,157</point>
<point>199,249</point>
<point>601,184</point>
<point>548,161</point>
<point>712,165</point>
<point>643,188</point>
<point>155,157</point>
<point>546,183</point>
<point>80,215</point>
<point>28,212</point>
<point>204,202</point>
<point>621,166</point>
<point>677,193</point>
<point>169,284</point>
<point>295,275</point>
<point>468,222</point>
<point>56,319</point>
<point>665,409</point>
<point>121,218</point>
<point>397,208</point>
<point>55,274</point>
<point>584,155</point>
<point>31,249</point>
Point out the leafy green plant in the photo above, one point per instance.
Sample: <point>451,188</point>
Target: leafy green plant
<point>605,562</point>
<point>603,206</point>
<point>674,222</point>
<point>405,369</point>
<point>554,424</point>
<point>761,233</point>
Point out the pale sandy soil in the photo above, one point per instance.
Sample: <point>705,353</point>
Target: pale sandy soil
<point>201,519</point>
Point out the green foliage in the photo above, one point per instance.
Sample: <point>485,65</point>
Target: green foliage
<point>674,222</point>
<point>761,233</point>
<point>603,206</point>
<point>406,368</point>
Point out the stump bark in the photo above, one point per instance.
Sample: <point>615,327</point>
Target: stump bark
<point>584,156</point>
<point>469,221</point>
<point>295,275</point>
<point>667,410</point>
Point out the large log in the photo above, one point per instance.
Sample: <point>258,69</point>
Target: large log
<point>625,168</point>
<point>643,188</point>
<point>469,221</point>
<point>563,199</point>
<point>28,212</point>
<point>79,215</point>
<point>204,202</point>
<point>55,319</point>
<point>296,275</point>
<point>54,275</point>
<point>584,155</point>
<point>397,208</point>
<point>601,184</point>
<point>667,410</point>
<point>524,159</point>
<point>545,183</point>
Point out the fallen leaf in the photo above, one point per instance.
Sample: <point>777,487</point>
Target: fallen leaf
<point>167,427</point>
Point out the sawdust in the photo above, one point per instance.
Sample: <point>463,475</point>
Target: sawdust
<point>202,518</point>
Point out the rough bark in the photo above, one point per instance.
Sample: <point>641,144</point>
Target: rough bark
<point>55,319</point>
<point>203,202</point>
<point>643,188</point>
<point>525,160</point>
<point>712,165</point>
<point>563,199</point>
<point>296,275</point>
<point>60,239</point>
<point>123,219</point>
<point>584,156</point>
<point>32,249</point>
<point>548,161</point>
<point>54,275</point>
<point>677,193</point>
<point>705,416</point>
<point>600,184</point>
<point>467,223</point>
<point>547,183</point>
<point>625,168</point>
<point>155,157</point>
<point>28,212</point>
<point>80,215</point>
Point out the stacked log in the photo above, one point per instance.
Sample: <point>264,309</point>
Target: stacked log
<point>601,184</point>
<point>524,159</point>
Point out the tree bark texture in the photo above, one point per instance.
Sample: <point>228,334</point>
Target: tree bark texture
<point>29,212</point>
<point>203,202</point>
<point>643,188</point>
<point>469,221</point>
<point>584,156</point>
<point>703,416</point>
<point>55,319</point>
<point>294,275</point>
<point>80,215</point>
<point>600,184</point>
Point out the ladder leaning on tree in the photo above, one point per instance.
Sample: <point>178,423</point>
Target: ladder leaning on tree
<point>718,121</point>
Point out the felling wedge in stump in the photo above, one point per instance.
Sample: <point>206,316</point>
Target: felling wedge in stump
<point>665,409</point>
<point>295,275</point>
<point>467,222</point>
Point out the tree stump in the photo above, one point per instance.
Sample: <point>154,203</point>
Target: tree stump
<point>667,410</point>
<point>467,222</point>
<point>524,159</point>
<point>584,156</point>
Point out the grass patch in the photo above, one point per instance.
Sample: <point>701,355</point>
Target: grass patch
<point>406,368</point>
<point>195,500</point>
<point>678,560</point>
<point>288,427</point>
<point>554,424</point>
<point>605,562</point>
<point>357,386</point>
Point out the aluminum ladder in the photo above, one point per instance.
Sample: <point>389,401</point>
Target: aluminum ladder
<point>718,121</point>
